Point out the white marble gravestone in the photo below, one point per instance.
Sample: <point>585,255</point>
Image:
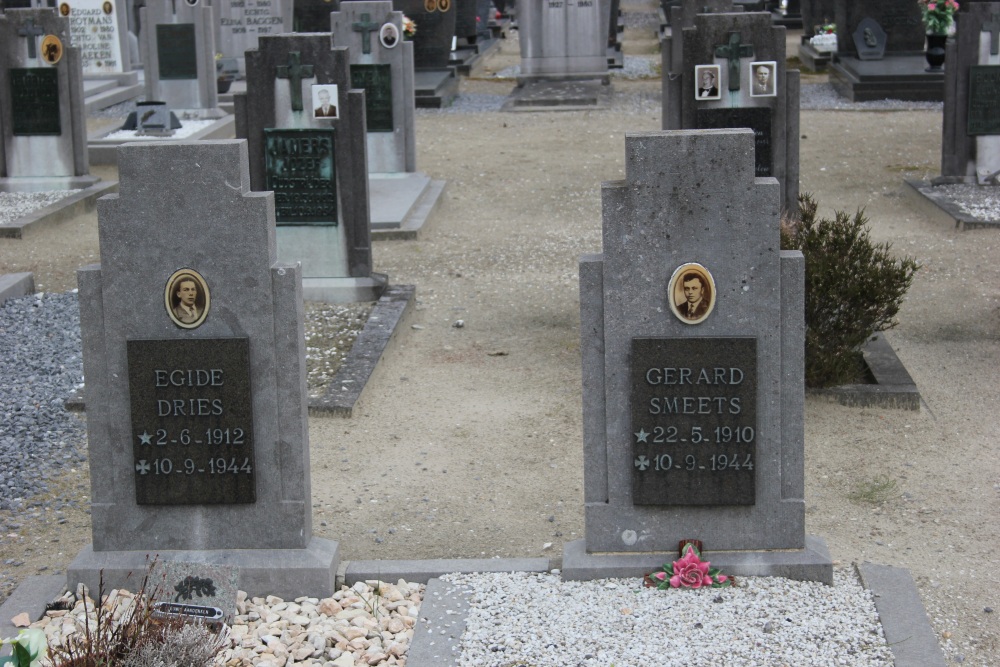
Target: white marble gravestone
<point>240,24</point>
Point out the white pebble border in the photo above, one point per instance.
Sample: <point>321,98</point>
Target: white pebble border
<point>15,205</point>
<point>187,128</point>
<point>356,627</point>
<point>980,201</point>
<point>541,621</point>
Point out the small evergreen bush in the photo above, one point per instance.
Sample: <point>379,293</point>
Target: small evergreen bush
<point>854,288</point>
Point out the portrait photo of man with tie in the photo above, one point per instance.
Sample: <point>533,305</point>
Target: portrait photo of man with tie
<point>691,293</point>
<point>325,101</point>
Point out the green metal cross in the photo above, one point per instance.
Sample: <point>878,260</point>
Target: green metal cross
<point>733,51</point>
<point>294,71</point>
<point>993,27</point>
<point>366,28</point>
<point>30,31</point>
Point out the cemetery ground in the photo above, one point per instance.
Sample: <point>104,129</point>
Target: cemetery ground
<point>468,443</point>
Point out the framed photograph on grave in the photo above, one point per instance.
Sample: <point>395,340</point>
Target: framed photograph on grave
<point>324,100</point>
<point>52,49</point>
<point>64,9</point>
<point>187,298</point>
<point>691,293</point>
<point>388,35</point>
<point>764,78</point>
<point>706,79</point>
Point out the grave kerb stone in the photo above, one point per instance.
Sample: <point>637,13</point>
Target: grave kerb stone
<point>189,204</point>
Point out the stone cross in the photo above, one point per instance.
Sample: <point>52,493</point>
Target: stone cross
<point>30,31</point>
<point>366,28</point>
<point>993,27</point>
<point>732,52</point>
<point>295,71</point>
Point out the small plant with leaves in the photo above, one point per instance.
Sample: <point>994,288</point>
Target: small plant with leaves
<point>938,15</point>
<point>874,491</point>
<point>854,289</point>
<point>27,649</point>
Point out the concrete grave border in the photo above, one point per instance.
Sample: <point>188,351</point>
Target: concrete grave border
<point>944,209</point>
<point>16,285</point>
<point>893,387</point>
<point>105,151</point>
<point>76,204</point>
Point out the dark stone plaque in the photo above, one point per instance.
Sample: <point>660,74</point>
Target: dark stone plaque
<point>192,421</point>
<point>694,421</point>
<point>300,169</point>
<point>176,51</point>
<point>757,119</point>
<point>870,40</point>
<point>465,19</point>
<point>34,101</point>
<point>377,83</point>
<point>435,21</point>
<point>984,99</point>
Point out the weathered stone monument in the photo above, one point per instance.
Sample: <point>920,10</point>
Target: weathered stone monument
<point>178,46</point>
<point>240,23</point>
<point>729,71</point>
<point>436,82</point>
<point>880,52</point>
<point>381,64</point>
<point>43,138</point>
<point>195,363</point>
<point>99,29</point>
<point>970,141</point>
<point>692,338</point>
<point>563,40</point>
<point>305,127</point>
<point>681,16</point>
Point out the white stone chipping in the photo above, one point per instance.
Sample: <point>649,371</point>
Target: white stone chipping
<point>188,128</point>
<point>539,620</point>
<point>980,201</point>
<point>15,205</point>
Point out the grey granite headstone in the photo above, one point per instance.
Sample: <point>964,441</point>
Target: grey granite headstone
<point>562,39</point>
<point>734,45</point>
<point>178,46</point>
<point>900,19</point>
<point>970,141</point>
<point>321,190</point>
<point>240,23</point>
<point>816,13</point>
<point>203,456</point>
<point>682,16</point>
<point>693,405</point>
<point>43,136</point>
<point>385,71</point>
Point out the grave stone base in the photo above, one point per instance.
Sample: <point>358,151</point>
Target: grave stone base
<point>812,59</point>
<point>102,93</point>
<point>105,151</point>
<point>893,77</point>
<point>286,573</point>
<point>812,563</point>
<point>559,96</point>
<point>345,290</point>
<point>435,88</point>
<point>401,202</point>
<point>470,59</point>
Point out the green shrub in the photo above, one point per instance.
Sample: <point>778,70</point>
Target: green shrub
<point>854,288</point>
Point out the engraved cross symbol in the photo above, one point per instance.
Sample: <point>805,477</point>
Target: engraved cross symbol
<point>142,467</point>
<point>295,71</point>
<point>733,51</point>
<point>642,463</point>
<point>366,28</point>
<point>30,31</point>
<point>993,27</point>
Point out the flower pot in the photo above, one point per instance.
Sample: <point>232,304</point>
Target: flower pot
<point>935,52</point>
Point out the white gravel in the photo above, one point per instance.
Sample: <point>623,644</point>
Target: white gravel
<point>187,128</point>
<point>980,201</point>
<point>539,620</point>
<point>14,205</point>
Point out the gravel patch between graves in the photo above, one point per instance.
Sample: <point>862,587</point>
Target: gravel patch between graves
<point>761,621</point>
<point>822,96</point>
<point>187,128</point>
<point>981,202</point>
<point>16,205</point>
<point>331,330</point>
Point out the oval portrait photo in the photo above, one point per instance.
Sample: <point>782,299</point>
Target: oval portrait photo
<point>388,35</point>
<point>691,293</point>
<point>187,299</point>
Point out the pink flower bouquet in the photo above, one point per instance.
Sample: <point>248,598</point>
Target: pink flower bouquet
<point>690,571</point>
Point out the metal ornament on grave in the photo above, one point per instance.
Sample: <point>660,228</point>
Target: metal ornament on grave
<point>733,51</point>
<point>295,71</point>
<point>984,100</point>
<point>693,410</point>
<point>376,80</point>
<point>993,27</point>
<point>31,32</point>
<point>366,27</point>
<point>300,168</point>
<point>34,96</point>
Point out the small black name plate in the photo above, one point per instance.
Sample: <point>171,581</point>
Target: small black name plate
<point>192,421</point>
<point>984,100</point>
<point>301,170</point>
<point>377,83</point>
<point>176,51</point>
<point>694,421</point>
<point>34,101</point>
<point>757,119</point>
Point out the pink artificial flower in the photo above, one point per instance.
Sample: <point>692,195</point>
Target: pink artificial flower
<point>721,578</point>
<point>660,575</point>
<point>931,6</point>
<point>690,571</point>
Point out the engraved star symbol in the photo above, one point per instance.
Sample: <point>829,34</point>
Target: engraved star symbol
<point>642,463</point>
<point>142,467</point>
<point>145,438</point>
<point>642,435</point>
